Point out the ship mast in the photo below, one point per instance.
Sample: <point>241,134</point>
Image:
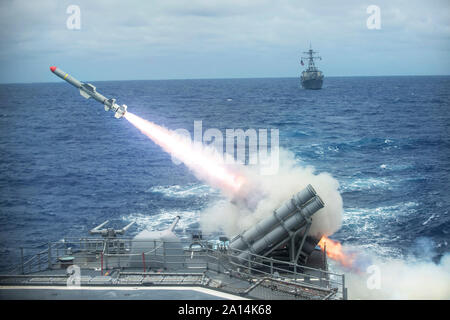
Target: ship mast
<point>311,55</point>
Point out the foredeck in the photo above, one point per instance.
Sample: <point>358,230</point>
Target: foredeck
<point>94,265</point>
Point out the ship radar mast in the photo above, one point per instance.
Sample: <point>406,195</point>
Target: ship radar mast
<point>310,56</point>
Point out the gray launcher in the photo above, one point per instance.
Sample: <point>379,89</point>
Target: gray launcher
<point>290,217</point>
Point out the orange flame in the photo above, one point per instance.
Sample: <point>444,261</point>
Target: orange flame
<point>200,160</point>
<point>334,251</point>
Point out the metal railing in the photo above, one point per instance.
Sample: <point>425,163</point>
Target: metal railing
<point>288,272</point>
<point>103,254</point>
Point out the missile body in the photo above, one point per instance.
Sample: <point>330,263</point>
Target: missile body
<point>87,90</point>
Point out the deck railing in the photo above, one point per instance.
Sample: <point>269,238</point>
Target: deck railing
<point>108,254</point>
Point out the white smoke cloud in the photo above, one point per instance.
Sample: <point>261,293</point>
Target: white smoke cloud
<point>264,194</point>
<point>374,275</point>
<point>403,279</point>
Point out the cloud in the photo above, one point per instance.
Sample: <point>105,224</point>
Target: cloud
<point>220,33</point>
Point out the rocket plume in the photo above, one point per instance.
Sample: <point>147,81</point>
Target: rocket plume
<point>335,251</point>
<point>199,160</point>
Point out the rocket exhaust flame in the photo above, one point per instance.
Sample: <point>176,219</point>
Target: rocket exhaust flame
<point>335,251</point>
<point>199,160</point>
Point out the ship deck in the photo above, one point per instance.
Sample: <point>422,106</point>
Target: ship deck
<point>91,273</point>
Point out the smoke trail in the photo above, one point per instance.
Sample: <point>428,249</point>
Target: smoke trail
<point>260,195</point>
<point>205,162</point>
<point>254,197</point>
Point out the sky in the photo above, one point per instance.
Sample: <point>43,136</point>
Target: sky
<point>189,39</point>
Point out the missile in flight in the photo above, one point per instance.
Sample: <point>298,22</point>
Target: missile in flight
<point>87,90</point>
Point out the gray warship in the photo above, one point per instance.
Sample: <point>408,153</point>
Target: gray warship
<point>276,258</point>
<point>312,78</point>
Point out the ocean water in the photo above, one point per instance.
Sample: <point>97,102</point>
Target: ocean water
<point>66,165</point>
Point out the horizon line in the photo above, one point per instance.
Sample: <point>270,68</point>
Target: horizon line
<point>237,78</point>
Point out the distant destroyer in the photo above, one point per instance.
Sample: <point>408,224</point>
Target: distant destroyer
<point>312,78</point>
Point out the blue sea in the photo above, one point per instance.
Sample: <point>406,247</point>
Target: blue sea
<point>66,165</point>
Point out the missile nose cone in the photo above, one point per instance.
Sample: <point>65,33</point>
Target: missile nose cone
<point>52,68</point>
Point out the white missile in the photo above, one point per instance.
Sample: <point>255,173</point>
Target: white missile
<point>87,90</point>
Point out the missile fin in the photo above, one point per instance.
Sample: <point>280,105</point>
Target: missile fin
<point>109,104</point>
<point>84,94</point>
<point>89,87</point>
<point>121,111</point>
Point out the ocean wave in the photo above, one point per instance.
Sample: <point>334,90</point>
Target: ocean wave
<point>163,219</point>
<point>183,191</point>
<point>298,133</point>
<point>381,211</point>
<point>366,184</point>
<point>385,167</point>
<point>397,167</point>
<point>428,220</point>
<point>371,226</point>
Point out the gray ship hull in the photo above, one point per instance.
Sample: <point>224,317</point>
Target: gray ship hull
<point>313,84</point>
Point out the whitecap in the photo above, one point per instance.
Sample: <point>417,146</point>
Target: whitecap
<point>334,149</point>
<point>428,220</point>
<point>365,184</point>
<point>178,191</point>
<point>365,223</point>
<point>162,220</point>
